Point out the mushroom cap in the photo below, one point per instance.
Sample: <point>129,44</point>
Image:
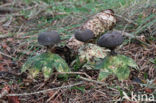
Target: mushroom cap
<point>110,40</point>
<point>84,35</point>
<point>48,38</point>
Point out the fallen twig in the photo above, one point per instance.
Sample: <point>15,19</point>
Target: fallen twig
<point>128,20</point>
<point>4,36</point>
<point>14,15</point>
<point>129,35</point>
<point>6,4</point>
<point>96,82</point>
<point>77,73</point>
<point>47,90</point>
<point>8,9</point>
<point>6,55</point>
<point>52,96</point>
<point>126,34</point>
<point>82,73</point>
<point>5,91</point>
<point>90,80</point>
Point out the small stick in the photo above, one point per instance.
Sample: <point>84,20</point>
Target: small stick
<point>47,90</point>
<point>79,73</point>
<point>76,73</point>
<point>128,20</point>
<point>4,5</point>
<point>4,36</point>
<point>96,82</point>
<point>52,96</point>
<point>6,55</point>
<point>8,9</point>
<point>131,36</point>
<point>90,80</point>
<point>126,34</point>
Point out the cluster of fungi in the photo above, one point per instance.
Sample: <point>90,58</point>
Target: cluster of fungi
<point>88,32</point>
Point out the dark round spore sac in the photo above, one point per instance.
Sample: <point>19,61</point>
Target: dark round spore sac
<point>48,38</point>
<point>84,35</point>
<point>110,40</point>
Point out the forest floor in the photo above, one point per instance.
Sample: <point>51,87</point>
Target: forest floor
<point>22,20</point>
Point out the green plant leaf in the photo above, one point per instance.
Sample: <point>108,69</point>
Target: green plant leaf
<point>47,72</point>
<point>122,72</point>
<point>45,63</point>
<point>104,74</point>
<point>115,65</point>
<point>89,54</point>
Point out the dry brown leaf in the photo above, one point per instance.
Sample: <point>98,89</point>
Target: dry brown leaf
<point>5,91</point>
<point>13,99</point>
<point>1,57</point>
<point>148,90</point>
<point>4,45</point>
<point>126,101</point>
<point>2,67</point>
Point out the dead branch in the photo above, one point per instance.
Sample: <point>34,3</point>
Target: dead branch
<point>6,55</point>
<point>4,36</point>
<point>52,96</point>
<point>47,90</point>
<point>8,9</point>
<point>126,34</point>
<point>132,36</point>
<point>96,82</point>
<point>5,5</point>
<point>93,81</point>
<point>80,73</point>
